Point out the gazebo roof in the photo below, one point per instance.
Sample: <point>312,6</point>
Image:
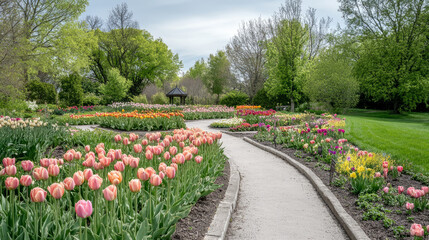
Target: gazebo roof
<point>176,92</point>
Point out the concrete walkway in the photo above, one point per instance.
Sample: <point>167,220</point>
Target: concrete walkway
<point>275,201</point>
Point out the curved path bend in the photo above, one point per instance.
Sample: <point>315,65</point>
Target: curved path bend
<point>275,201</point>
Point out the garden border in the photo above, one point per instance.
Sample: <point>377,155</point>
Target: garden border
<point>219,225</point>
<point>352,228</point>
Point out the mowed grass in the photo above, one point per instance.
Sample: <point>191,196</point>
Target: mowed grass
<point>403,136</point>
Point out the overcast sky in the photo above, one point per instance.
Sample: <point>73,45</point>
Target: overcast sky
<point>196,28</point>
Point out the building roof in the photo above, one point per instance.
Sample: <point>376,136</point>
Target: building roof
<point>176,92</point>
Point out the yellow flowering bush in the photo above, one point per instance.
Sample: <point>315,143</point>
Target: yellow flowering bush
<point>353,161</point>
<point>335,123</point>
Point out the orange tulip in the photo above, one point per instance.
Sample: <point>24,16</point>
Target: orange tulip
<point>115,177</point>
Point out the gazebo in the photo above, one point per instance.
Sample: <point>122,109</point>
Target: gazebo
<point>176,92</point>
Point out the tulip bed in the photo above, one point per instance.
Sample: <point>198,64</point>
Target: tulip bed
<point>110,186</point>
<point>381,191</point>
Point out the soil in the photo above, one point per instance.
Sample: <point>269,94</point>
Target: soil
<point>374,229</point>
<point>196,224</point>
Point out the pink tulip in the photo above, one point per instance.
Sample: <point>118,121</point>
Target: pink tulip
<point>119,166</point>
<point>138,148</point>
<point>149,155</point>
<point>135,185</point>
<point>173,150</point>
<point>161,175</point>
<point>400,168</point>
<point>78,178</point>
<point>410,190</point>
<point>10,170</point>
<point>162,167</point>
<point>89,162</point>
<point>118,154</point>
<point>98,166</point>
<point>417,230</point>
<point>170,172</point>
<point>69,184</point>
<point>87,148</point>
<point>38,194</point>
<point>11,183</point>
<point>53,170</point>
<point>400,189</point>
<point>167,156</point>
<point>425,189</point>
<point>77,155</point>
<point>377,174</point>
<point>44,162</point>
<point>157,150</point>
<point>68,156</point>
<point>386,189</point>
<point>182,144</point>
<point>198,159</point>
<point>61,162</point>
<point>56,190</point>
<point>385,164</point>
<point>40,173</point>
<point>8,161</point>
<point>409,206</point>
<point>105,161</point>
<point>155,180</point>
<point>150,171</point>
<point>175,166</point>
<point>27,165</point>
<point>118,138</point>
<point>142,174</point>
<point>126,141</point>
<point>134,162</point>
<point>145,142</point>
<point>180,158</point>
<point>83,208</point>
<point>94,182</point>
<point>110,193</point>
<point>87,173</point>
<point>26,180</point>
<point>188,155</point>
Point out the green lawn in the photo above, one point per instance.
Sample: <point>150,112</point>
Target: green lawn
<point>403,136</point>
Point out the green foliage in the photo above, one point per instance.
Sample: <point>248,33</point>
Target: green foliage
<point>261,99</point>
<point>159,98</point>
<point>234,98</point>
<point>116,88</point>
<point>41,92</point>
<point>90,99</point>
<point>285,58</point>
<point>140,99</point>
<point>71,90</point>
<point>90,86</point>
<point>330,81</point>
<point>218,73</point>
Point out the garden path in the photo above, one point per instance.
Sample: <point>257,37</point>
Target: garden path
<point>275,201</point>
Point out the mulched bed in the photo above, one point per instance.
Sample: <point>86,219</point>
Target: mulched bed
<point>196,224</point>
<point>374,229</point>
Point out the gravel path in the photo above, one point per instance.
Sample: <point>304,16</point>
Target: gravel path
<point>275,201</point>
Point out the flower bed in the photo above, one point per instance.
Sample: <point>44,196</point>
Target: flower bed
<point>374,183</point>
<point>207,112</point>
<point>124,188</point>
<point>249,127</point>
<point>227,123</point>
<point>247,107</point>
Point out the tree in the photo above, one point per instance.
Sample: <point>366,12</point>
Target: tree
<point>218,74</point>
<point>246,53</point>
<point>331,81</point>
<point>392,65</point>
<point>94,22</point>
<point>71,90</point>
<point>116,88</point>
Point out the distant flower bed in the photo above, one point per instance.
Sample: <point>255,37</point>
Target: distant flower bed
<point>249,127</point>
<point>255,113</point>
<point>247,107</point>
<point>227,123</point>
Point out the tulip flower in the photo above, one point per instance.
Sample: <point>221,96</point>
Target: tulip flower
<point>180,158</point>
<point>138,148</point>
<point>155,180</point>
<point>94,182</point>
<point>145,142</point>
<point>142,174</point>
<point>69,184</point>
<point>126,141</point>
<point>175,166</point>
<point>56,190</point>
<point>26,180</point>
<point>83,208</point>
<point>68,156</point>
<point>150,171</point>
<point>170,172</point>
<point>115,177</point>
<point>386,189</point>
<point>149,155</point>
<point>77,155</point>
<point>118,138</point>
<point>110,193</point>
<point>10,170</point>
<point>162,167</point>
<point>87,173</point>
<point>400,189</point>
<point>44,162</point>
<point>27,165</point>
<point>53,170</point>
<point>167,156</point>
<point>173,150</point>
<point>134,162</point>
<point>40,173</point>
<point>198,159</point>
<point>105,161</point>
<point>409,206</point>
<point>385,164</point>
<point>400,168</point>
<point>425,189</point>
<point>87,148</point>
<point>377,174</point>
<point>8,161</point>
<point>11,183</point>
<point>417,230</point>
<point>38,194</point>
<point>78,178</point>
<point>135,185</point>
<point>119,166</point>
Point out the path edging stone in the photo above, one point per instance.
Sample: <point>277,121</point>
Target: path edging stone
<point>352,228</point>
<point>222,217</point>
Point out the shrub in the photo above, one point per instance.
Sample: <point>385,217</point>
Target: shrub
<point>234,98</point>
<point>91,99</point>
<point>261,99</point>
<point>41,92</point>
<point>159,98</point>
<point>140,99</point>
<point>116,88</point>
<point>90,86</point>
<point>71,90</point>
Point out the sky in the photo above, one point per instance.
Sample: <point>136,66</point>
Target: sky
<point>194,29</point>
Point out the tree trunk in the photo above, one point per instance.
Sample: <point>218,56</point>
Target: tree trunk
<point>292,105</point>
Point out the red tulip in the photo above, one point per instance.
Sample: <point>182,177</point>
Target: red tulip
<point>26,180</point>
<point>69,184</point>
<point>110,193</point>
<point>38,194</point>
<point>78,178</point>
<point>94,182</point>
<point>135,185</point>
<point>56,190</point>
<point>11,183</point>
<point>83,208</point>
<point>40,173</point>
<point>10,170</point>
<point>27,165</point>
<point>53,170</point>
